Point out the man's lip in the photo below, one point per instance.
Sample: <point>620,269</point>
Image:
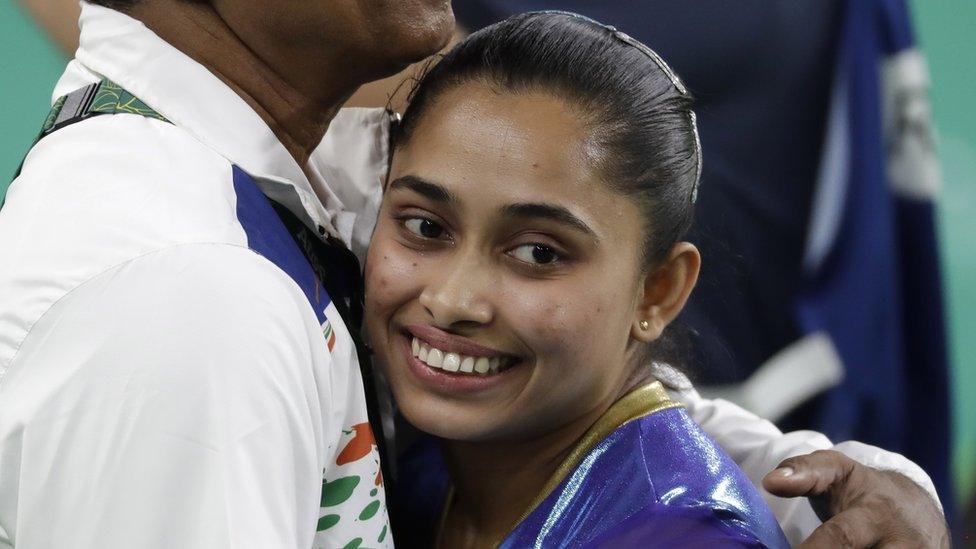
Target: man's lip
<point>450,343</point>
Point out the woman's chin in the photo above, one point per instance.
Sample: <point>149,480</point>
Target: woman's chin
<point>445,421</point>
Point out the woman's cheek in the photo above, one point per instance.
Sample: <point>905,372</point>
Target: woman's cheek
<point>554,316</point>
<point>391,271</point>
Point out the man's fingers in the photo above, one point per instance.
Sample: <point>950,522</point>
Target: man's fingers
<point>854,528</point>
<point>860,506</point>
<point>809,475</point>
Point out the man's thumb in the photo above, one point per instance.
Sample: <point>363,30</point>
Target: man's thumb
<point>808,475</point>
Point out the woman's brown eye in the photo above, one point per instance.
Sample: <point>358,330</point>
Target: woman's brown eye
<point>538,254</point>
<point>424,227</point>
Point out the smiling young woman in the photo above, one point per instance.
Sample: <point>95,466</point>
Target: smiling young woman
<point>502,236</point>
<point>526,258</point>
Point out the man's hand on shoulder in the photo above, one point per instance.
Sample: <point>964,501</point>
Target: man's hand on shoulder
<point>860,506</point>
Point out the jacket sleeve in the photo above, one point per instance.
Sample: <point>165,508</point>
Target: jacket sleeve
<point>169,402</point>
<point>758,446</point>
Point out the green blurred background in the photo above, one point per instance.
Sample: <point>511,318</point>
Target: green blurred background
<point>945,32</point>
<point>29,66</point>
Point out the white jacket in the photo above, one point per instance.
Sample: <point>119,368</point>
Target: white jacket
<point>171,376</point>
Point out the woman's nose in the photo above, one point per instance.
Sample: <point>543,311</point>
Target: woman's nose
<point>458,295</point>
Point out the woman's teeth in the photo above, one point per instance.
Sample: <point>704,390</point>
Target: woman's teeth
<point>454,362</point>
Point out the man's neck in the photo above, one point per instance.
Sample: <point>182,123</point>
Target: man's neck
<point>298,118</point>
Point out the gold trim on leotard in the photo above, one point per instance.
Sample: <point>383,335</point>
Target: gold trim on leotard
<point>643,401</point>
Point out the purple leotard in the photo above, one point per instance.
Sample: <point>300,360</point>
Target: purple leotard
<point>651,479</point>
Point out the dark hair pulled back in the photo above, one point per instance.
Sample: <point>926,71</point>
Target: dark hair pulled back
<point>641,122</point>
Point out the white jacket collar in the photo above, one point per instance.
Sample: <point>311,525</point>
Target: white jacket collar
<point>352,157</point>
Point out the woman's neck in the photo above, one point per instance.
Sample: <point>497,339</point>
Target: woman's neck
<point>496,482</point>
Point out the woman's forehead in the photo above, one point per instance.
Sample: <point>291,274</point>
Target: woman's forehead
<point>525,140</point>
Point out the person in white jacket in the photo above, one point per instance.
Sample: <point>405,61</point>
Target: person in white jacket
<point>173,373</point>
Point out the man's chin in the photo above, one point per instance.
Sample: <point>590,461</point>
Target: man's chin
<point>429,37</point>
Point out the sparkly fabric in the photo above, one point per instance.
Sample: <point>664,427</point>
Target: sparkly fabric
<point>656,481</point>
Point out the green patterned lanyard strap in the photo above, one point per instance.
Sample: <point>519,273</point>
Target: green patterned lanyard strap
<point>105,97</point>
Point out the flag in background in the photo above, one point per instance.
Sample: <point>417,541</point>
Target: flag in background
<point>872,279</point>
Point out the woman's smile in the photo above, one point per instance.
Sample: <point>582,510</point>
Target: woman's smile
<point>452,353</point>
<point>449,363</point>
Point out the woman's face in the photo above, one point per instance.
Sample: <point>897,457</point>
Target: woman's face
<point>506,264</point>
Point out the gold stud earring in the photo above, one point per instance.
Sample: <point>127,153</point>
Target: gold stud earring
<point>644,325</point>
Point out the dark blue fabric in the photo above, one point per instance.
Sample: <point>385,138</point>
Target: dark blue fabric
<point>687,528</point>
<point>418,496</point>
<point>657,481</point>
<point>664,468</point>
<point>927,390</point>
<point>267,235</point>
<point>861,268</point>
<point>879,293</point>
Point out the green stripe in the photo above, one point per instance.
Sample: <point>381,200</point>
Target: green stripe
<point>113,99</point>
<point>53,115</point>
<point>110,98</point>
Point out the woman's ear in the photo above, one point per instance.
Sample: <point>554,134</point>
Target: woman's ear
<point>666,290</point>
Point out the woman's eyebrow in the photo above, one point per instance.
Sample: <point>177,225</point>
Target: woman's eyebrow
<point>551,212</point>
<point>433,191</point>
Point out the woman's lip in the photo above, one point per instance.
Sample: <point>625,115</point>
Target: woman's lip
<point>449,343</point>
<point>447,382</point>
